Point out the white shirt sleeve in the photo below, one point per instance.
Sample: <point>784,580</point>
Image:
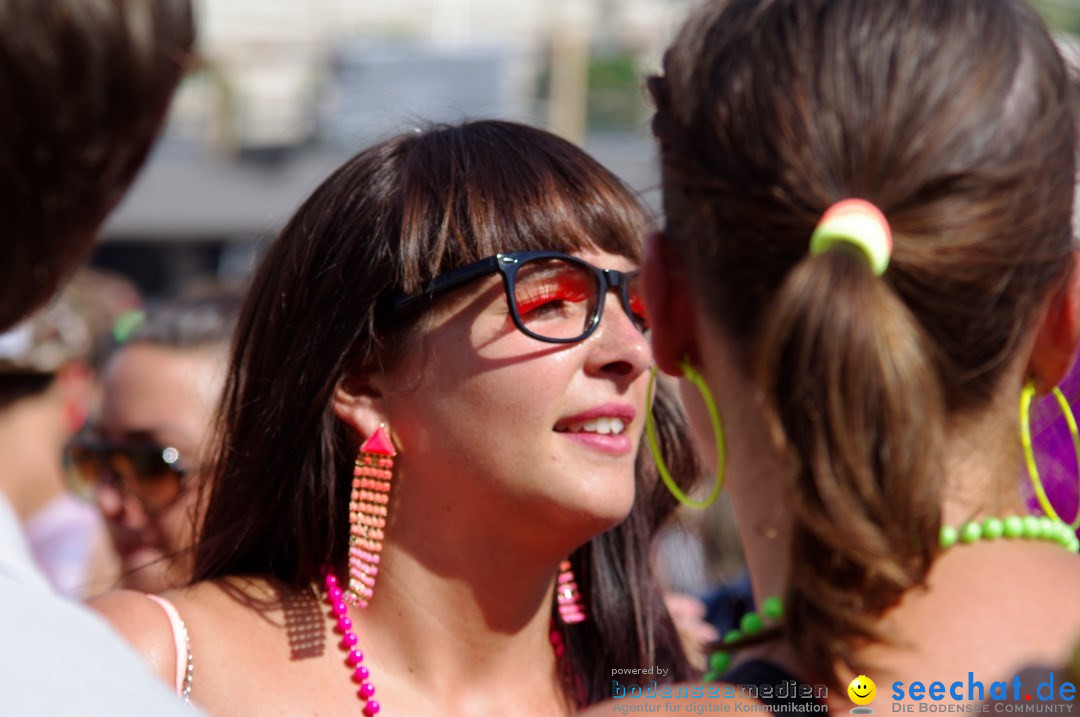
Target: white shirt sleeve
<point>57,657</point>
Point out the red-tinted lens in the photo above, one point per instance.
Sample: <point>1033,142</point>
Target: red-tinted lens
<point>555,298</point>
<point>635,300</point>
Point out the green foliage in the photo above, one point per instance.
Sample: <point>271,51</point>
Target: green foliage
<point>1062,15</point>
<point>616,98</point>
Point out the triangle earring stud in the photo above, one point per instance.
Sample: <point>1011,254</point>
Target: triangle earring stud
<point>379,443</point>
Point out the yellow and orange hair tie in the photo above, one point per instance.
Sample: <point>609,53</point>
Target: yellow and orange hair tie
<point>858,223</point>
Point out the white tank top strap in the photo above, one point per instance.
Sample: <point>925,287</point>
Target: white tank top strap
<point>185,668</point>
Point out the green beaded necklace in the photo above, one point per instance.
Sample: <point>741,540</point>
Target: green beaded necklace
<point>1029,527</point>
<point>1014,527</point>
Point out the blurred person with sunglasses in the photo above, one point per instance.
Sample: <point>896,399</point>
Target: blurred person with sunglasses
<point>84,87</point>
<point>428,493</point>
<point>140,461</point>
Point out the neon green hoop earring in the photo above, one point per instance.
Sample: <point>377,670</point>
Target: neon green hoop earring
<point>718,435</point>
<point>1029,455</point>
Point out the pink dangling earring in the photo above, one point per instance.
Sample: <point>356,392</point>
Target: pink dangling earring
<point>367,514</point>
<point>571,608</point>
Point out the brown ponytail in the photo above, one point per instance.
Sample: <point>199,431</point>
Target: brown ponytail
<point>858,404</point>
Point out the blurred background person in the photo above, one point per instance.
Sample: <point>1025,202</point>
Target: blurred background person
<point>141,460</point>
<point>699,559</point>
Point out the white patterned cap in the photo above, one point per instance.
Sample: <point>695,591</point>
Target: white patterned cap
<point>46,341</point>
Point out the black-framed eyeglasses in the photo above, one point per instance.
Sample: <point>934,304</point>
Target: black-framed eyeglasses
<point>553,297</point>
<point>152,473</point>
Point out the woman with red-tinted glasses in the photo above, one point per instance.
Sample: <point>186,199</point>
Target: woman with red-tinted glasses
<point>428,496</point>
<point>140,464</point>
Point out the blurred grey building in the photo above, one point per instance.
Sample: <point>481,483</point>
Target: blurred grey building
<point>288,90</point>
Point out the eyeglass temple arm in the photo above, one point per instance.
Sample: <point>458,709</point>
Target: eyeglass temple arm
<point>443,284</point>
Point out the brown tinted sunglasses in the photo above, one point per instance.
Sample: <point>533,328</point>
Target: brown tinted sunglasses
<point>152,473</point>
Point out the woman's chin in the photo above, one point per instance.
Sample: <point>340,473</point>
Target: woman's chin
<point>595,512</point>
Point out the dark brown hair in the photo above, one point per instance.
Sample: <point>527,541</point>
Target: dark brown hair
<point>954,118</point>
<point>391,218</point>
<point>84,85</point>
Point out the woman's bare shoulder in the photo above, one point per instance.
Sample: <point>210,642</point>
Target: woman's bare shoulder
<point>138,616</point>
<point>144,624</point>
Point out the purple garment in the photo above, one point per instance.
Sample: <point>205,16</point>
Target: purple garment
<point>1055,454</point>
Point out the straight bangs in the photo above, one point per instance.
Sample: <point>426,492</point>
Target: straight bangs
<point>472,191</point>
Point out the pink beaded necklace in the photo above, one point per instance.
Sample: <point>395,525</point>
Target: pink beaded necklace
<point>353,657</point>
<point>339,611</point>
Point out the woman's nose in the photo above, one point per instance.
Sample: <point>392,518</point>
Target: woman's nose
<point>620,348</point>
<point>116,506</point>
<point>109,501</point>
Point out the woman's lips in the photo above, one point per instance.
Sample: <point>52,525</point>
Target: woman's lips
<point>611,444</point>
<point>602,428</point>
<point>622,411</point>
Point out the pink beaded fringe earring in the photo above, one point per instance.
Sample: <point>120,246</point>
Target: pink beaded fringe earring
<point>571,608</point>
<point>367,514</point>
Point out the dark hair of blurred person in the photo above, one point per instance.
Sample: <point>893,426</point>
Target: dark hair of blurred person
<point>84,85</point>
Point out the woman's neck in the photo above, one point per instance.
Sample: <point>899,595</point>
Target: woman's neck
<point>982,465</point>
<point>459,623</point>
<point>979,479</point>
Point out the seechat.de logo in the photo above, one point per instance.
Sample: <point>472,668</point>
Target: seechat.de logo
<point>1050,694</point>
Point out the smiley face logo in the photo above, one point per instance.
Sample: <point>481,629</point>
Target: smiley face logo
<point>862,690</point>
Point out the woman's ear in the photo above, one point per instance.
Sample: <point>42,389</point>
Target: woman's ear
<point>1058,333</point>
<point>358,403</point>
<point>670,305</point>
